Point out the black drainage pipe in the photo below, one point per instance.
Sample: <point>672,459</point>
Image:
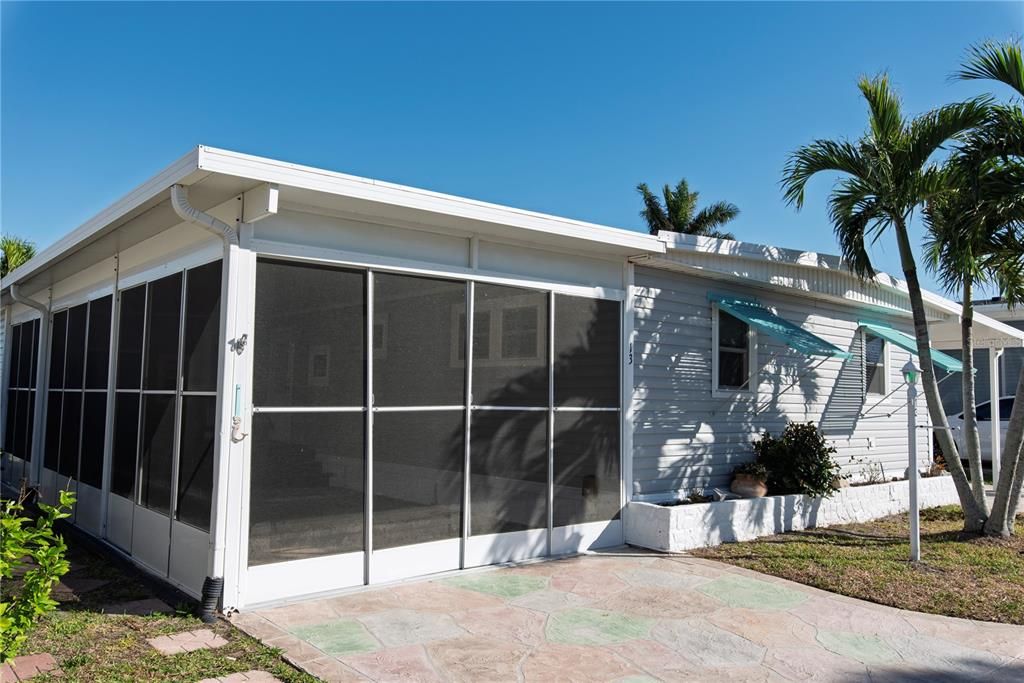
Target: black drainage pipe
<point>213,589</point>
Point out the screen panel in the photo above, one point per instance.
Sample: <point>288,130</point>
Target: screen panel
<point>74,365</point>
<point>12,419</point>
<point>33,353</point>
<point>586,459</point>
<point>415,361</point>
<point>51,454</point>
<point>202,327</point>
<point>126,444</point>
<point>587,368</point>
<point>59,331</point>
<point>28,423</point>
<point>163,323</point>
<point>156,452</point>
<point>417,477</point>
<point>509,467</point>
<point>307,486</point>
<point>70,426</point>
<point>510,356</point>
<point>94,422</point>
<point>129,337</point>
<point>98,354</point>
<point>22,440</point>
<point>195,460</point>
<point>309,350</point>
<point>14,371</point>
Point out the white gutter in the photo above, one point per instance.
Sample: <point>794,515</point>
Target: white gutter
<point>228,423</point>
<point>42,361</point>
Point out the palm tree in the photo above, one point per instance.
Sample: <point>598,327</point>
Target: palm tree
<point>990,168</point>
<point>16,251</point>
<point>886,176</point>
<point>960,236</point>
<point>679,212</point>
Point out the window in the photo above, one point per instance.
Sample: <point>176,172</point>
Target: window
<point>733,362</point>
<point>875,372</point>
<point>509,328</point>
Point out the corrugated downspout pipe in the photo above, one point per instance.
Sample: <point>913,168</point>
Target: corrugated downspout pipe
<point>42,363</point>
<point>187,212</point>
<point>228,425</point>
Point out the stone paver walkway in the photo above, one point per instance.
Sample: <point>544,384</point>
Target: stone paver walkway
<point>245,677</point>
<point>28,666</point>
<point>188,641</point>
<point>627,617</point>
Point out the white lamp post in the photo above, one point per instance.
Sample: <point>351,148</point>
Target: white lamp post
<point>910,374</point>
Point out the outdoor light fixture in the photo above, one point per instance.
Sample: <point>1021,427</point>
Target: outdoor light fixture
<point>910,372</point>
<point>910,375</point>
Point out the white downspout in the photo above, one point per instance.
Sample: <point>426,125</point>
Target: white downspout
<point>228,419</point>
<point>42,363</point>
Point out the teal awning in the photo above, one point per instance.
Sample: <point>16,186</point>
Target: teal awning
<point>908,343</point>
<point>763,320</point>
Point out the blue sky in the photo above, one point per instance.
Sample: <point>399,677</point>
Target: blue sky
<point>555,108</point>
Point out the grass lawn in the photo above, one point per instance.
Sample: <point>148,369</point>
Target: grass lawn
<point>90,645</point>
<point>959,575</point>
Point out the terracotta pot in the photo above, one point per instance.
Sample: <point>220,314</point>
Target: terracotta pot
<point>748,486</point>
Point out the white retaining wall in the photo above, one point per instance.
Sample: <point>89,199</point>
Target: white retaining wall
<point>683,527</point>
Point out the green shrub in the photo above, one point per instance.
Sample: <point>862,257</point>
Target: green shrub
<point>32,546</point>
<point>754,469</point>
<point>799,461</point>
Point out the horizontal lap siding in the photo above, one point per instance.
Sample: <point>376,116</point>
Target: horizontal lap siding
<point>685,438</point>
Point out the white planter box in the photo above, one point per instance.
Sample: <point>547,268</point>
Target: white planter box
<point>682,527</point>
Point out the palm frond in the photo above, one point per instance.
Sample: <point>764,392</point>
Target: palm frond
<point>819,156</point>
<point>652,213</point>
<point>14,251</point>
<point>928,132</point>
<point>857,216</point>
<point>993,61</point>
<point>886,118</point>
<point>712,217</point>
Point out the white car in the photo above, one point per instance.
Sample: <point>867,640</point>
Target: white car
<point>984,412</point>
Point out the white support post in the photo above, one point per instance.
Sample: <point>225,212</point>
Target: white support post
<point>994,390</point>
<point>910,374</point>
<point>628,358</point>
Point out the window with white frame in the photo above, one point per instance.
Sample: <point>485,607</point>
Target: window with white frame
<point>874,358</point>
<point>733,362</point>
<point>506,331</point>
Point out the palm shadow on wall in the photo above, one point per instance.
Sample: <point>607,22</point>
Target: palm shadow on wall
<point>509,459</point>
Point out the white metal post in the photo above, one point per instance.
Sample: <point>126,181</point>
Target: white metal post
<point>915,517</point>
<point>994,392</point>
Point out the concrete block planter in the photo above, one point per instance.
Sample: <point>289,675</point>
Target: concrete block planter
<point>682,527</point>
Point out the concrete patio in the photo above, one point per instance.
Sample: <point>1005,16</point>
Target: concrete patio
<point>627,616</point>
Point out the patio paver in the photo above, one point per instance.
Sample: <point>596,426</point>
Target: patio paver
<point>188,641</point>
<point>27,666</point>
<point>627,616</point>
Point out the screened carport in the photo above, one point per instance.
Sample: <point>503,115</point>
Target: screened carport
<point>382,449</point>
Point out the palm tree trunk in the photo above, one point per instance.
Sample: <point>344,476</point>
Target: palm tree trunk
<point>974,514</point>
<point>1011,476</point>
<point>972,441</point>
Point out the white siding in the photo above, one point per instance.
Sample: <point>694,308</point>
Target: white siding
<point>685,438</point>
